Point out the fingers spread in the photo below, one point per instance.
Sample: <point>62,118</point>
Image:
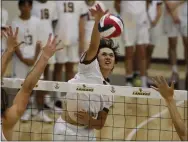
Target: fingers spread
<point>10,31</point>
<point>49,40</point>
<point>163,81</point>
<point>154,81</point>
<point>4,34</point>
<point>16,32</point>
<point>172,85</point>
<point>54,41</point>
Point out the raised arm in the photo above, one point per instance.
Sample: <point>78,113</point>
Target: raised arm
<point>95,37</point>
<point>20,102</point>
<point>168,93</point>
<point>11,47</point>
<point>117,6</point>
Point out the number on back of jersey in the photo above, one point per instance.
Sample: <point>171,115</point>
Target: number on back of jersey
<point>45,14</point>
<point>68,7</point>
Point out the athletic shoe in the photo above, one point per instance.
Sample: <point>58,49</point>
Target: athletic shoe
<point>44,117</point>
<point>186,82</point>
<point>26,116</point>
<point>175,78</point>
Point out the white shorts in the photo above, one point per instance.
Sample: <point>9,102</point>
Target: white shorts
<point>153,35</point>
<point>68,54</point>
<point>66,132</point>
<point>173,30</point>
<point>134,32</point>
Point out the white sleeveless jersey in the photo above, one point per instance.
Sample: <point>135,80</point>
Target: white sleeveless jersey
<point>30,33</point>
<point>152,11</point>
<point>69,13</point>
<point>88,74</point>
<point>90,20</point>
<point>136,9</point>
<point>47,12</point>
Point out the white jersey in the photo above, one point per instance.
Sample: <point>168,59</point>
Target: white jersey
<point>29,32</point>
<point>69,13</point>
<point>90,20</point>
<point>135,9</point>
<point>152,11</point>
<point>4,19</point>
<point>47,12</point>
<point>88,74</point>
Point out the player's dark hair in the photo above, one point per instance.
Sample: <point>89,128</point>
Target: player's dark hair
<point>4,101</point>
<point>23,2</point>
<point>108,43</point>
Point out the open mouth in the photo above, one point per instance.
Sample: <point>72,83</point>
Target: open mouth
<point>108,62</point>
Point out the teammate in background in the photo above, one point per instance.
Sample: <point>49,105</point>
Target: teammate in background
<point>90,21</point>
<point>88,112</point>
<point>11,115</point>
<point>167,93</point>
<point>47,12</point>
<point>27,55</point>
<point>4,19</point>
<point>154,11</point>
<point>70,29</point>
<point>136,35</point>
<point>175,22</point>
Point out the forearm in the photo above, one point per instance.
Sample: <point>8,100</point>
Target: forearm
<point>176,118</point>
<point>81,33</point>
<point>5,60</point>
<point>117,6</point>
<point>95,124</point>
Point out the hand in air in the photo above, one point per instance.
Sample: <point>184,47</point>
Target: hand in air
<point>11,37</point>
<point>98,12</point>
<point>163,88</point>
<point>50,48</point>
<point>82,117</point>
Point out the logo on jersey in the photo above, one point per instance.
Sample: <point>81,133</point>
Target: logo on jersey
<point>56,86</point>
<point>141,92</point>
<point>113,89</point>
<point>84,88</point>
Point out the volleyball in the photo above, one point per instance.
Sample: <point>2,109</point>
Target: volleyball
<point>110,26</point>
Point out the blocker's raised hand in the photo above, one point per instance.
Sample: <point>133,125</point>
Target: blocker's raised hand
<point>11,37</point>
<point>98,12</point>
<point>163,87</point>
<point>50,48</point>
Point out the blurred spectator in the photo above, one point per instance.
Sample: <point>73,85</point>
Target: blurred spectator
<point>26,56</point>
<point>154,11</point>
<point>90,20</point>
<point>70,29</point>
<point>4,19</point>
<point>175,23</point>
<point>47,12</point>
<point>136,35</point>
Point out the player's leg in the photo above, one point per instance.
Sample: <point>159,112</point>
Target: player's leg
<point>69,69</point>
<point>142,42</point>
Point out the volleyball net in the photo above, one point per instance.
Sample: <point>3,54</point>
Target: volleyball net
<point>137,113</point>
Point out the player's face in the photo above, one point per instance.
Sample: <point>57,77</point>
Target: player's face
<point>25,9</point>
<point>106,59</point>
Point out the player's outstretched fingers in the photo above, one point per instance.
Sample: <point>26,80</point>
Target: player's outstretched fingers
<point>16,32</point>
<point>49,40</point>
<point>10,31</point>
<point>154,81</point>
<point>54,41</point>
<point>163,81</point>
<point>4,34</point>
<point>172,85</point>
<point>157,89</point>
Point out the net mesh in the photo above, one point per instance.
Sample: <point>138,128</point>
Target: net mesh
<point>128,119</point>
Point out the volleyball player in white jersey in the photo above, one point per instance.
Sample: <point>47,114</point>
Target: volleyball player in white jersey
<point>136,35</point>
<point>27,55</point>
<point>88,112</point>
<point>175,23</point>
<point>90,21</point>
<point>154,11</point>
<point>70,29</point>
<point>11,115</point>
<point>47,12</point>
<point>4,19</point>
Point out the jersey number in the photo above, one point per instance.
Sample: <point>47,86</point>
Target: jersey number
<point>28,40</point>
<point>68,7</point>
<point>45,14</point>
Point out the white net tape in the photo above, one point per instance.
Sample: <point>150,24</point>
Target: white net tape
<point>137,92</point>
